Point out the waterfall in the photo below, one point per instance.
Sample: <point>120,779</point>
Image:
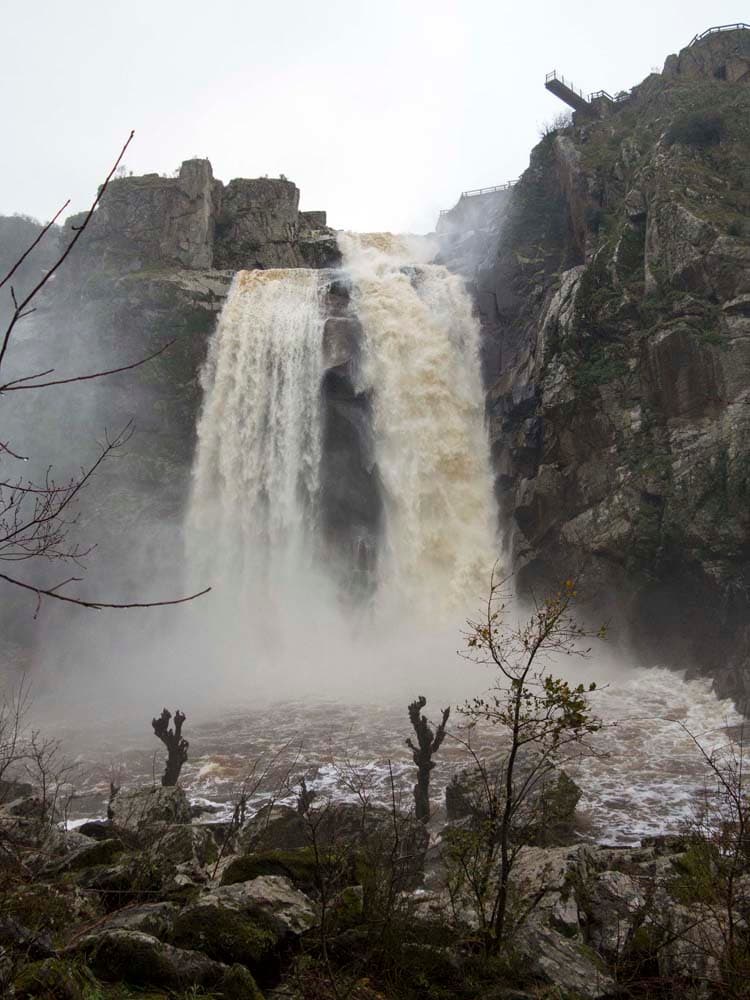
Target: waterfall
<point>256,471</point>
<point>253,515</point>
<point>421,362</point>
<point>279,616</point>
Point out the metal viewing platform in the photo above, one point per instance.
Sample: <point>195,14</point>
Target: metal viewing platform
<point>567,93</point>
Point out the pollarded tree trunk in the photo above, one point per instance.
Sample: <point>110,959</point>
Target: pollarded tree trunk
<point>177,747</point>
<point>428,744</point>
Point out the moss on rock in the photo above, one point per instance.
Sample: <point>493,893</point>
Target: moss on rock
<point>225,934</point>
<point>52,979</point>
<point>298,865</point>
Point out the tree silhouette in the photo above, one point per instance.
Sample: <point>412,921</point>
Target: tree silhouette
<point>428,743</point>
<point>177,747</point>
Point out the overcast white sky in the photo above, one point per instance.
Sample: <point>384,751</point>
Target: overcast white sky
<point>381,112</point>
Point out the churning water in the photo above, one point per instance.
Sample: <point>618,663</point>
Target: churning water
<point>421,362</point>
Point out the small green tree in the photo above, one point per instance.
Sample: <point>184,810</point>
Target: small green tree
<point>714,876</point>
<point>545,718</point>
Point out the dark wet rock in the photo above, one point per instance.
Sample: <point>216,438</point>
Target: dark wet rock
<point>298,865</point>
<point>156,919</point>
<point>89,855</point>
<point>97,829</point>
<point>198,809</point>
<point>342,341</point>
<point>141,959</point>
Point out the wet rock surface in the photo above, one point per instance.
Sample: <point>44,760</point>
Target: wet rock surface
<point>611,283</point>
<point>594,921</point>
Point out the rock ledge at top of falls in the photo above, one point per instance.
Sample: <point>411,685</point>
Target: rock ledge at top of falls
<point>194,221</point>
<point>613,282</point>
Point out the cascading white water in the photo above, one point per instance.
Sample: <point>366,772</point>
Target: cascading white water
<point>256,472</point>
<point>253,527</point>
<point>421,361</point>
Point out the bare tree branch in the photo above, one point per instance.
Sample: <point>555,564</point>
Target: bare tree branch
<point>15,385</point>
<point>20,307</point>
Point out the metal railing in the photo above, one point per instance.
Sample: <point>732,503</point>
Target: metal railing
<point>490,190</point>
<point>554,75</point>
<point>623,96</point>
<point>476,191</point>
<point>719,27</point>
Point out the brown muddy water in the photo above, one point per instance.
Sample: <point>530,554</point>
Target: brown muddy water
<point>649,781</point>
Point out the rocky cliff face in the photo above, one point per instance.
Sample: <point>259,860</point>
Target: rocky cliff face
<point>616,305</point>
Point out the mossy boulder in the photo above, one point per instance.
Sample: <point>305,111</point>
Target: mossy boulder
<point>101,852</point>
<point>52,979</point>
<point>129,956</point>
<point>238,983</point>
<point>44,913</point>
<point>136,877</point>
<point>298,865</point>
<point>253,923</point>
<point>226,934</point>
<point>549,809</point>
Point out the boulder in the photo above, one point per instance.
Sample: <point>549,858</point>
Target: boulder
<point>101,852</point>
<point>14,935</point>
<point>550,808</point>
<point>144,806</point>
<point>179,843</point>
<point>155,919</point>
<point>137,876</point>
<point>298,865</point>
<point>141,959</point>
<point>12,791</point>
<point>249,922</point>
<point>570,966</point>
<point>96,829</point>
<point>288,910</point>
<point>344,825</point>
<point>614,902</point>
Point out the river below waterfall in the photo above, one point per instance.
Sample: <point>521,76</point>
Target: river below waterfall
<point>649,782</point>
